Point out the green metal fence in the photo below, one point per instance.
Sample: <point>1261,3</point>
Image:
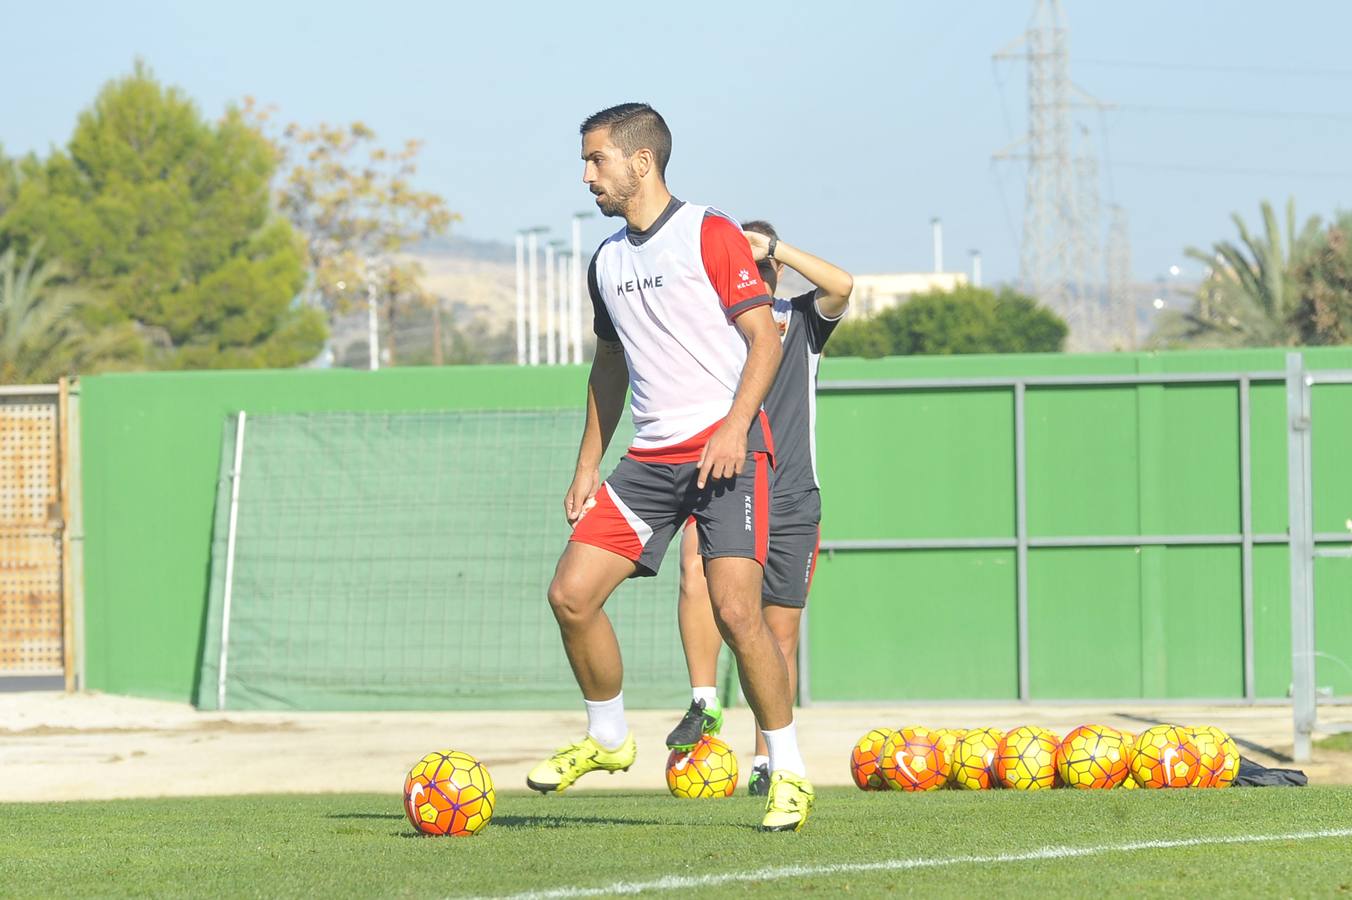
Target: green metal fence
<point>1133,570</point>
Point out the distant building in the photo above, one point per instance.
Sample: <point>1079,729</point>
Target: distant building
<point>874,293</point>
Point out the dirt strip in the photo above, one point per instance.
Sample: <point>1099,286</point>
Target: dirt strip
<point>56,746</point>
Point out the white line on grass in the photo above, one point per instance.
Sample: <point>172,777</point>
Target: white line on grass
<point>685,882</point>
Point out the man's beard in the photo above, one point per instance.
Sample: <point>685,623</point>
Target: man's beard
<point>616,201</point>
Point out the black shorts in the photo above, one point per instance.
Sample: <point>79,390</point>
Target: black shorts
<point>642,505</point>
<point>795,536</point>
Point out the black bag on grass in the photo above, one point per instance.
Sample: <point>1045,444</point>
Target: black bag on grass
<point>1253,775</point>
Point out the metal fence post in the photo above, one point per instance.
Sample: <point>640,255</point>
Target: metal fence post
<point>1246,532</point>
<point>1021,533</point>
<point>1300,526</point>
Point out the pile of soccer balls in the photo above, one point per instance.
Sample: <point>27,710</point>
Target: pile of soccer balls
<point>1031,758</point>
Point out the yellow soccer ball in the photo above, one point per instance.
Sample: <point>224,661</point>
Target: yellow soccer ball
<point>1026,759</point>
<point>974,760</point>
<point>1218,757</point>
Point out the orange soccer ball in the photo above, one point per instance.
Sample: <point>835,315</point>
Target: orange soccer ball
<point>1026,759</point>
<point>913,759</point>
<point>705,771</point>
<point>1092,756</point>
<point>865,759</point>
<point>1164,757</point>
<point>449,792</point>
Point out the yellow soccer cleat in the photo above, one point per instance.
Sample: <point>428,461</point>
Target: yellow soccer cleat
<point>789,804</point>
<point>577,759</point>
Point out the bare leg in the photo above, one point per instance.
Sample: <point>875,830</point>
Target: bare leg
<point>735,589</point>
<point>783,622</point>
<point>695,613</point>
<point>583,580</point>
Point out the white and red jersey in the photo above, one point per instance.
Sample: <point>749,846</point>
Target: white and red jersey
<point>670,296</point>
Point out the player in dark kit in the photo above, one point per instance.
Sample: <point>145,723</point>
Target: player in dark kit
<point>805,323</point>
<point>684,322</point>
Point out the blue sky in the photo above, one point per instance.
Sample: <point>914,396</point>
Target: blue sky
<point>848,124</point>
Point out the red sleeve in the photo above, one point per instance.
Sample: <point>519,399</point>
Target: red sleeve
<point>728,263</point>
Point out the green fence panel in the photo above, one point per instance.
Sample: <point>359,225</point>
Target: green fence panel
<point>914,625</point>
<point>1084,623</point>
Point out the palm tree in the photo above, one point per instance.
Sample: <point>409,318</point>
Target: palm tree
<point>41,335</point>
<point>1250,295</point>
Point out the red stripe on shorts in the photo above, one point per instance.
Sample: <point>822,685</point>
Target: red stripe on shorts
<point>606,527</point>
<point>769,436</point>
<point>762,507</point>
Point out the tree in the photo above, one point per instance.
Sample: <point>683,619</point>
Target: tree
<point>354,202</point>
<point>1249,296</point>
<point>41,335</point>
<point>165,219</point>
<point>860,337</point>
<point>1323,313</point>
<point>965,320</point>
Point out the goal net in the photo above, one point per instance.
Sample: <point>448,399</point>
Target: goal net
<point>401,560</point>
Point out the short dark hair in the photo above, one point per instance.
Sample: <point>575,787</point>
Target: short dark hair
<point>760,226</point>
<point>766,267</point>
<point>633,127</point>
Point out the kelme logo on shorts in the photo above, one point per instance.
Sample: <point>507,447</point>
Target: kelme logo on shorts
<point>748,512</point>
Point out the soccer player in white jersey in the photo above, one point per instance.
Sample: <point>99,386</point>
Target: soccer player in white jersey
<point>682,320</point>
<point>805,324</point>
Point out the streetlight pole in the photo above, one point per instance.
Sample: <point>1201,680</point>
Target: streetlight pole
<point>575,287</point>
<point>372,319</point>
<point>520,298</point>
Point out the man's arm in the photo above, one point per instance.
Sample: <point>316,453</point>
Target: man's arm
<point>833,283</point>
<point>725,453</point>
<point>606,389</point>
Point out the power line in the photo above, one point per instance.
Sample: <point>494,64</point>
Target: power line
<point>1226,170</point>
<point>1230,111</point>
<point>1290,72</point>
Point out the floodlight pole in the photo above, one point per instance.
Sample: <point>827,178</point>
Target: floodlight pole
<point>550,271</point>
<point>520,298</point>
<point>575,296</point>
<point>563,300</point>
<point>533,295</point>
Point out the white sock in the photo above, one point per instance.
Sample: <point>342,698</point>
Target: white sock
<point>708,694</point>
<point>783,746</point>
<point>605,721</point>
<point>760,761</point>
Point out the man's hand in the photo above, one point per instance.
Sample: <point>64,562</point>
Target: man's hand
<point>760,245</point>
<point>581,494</point>
<point>725,454</point>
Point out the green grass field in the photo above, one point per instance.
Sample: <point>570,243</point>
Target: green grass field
<point>580,844</point>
